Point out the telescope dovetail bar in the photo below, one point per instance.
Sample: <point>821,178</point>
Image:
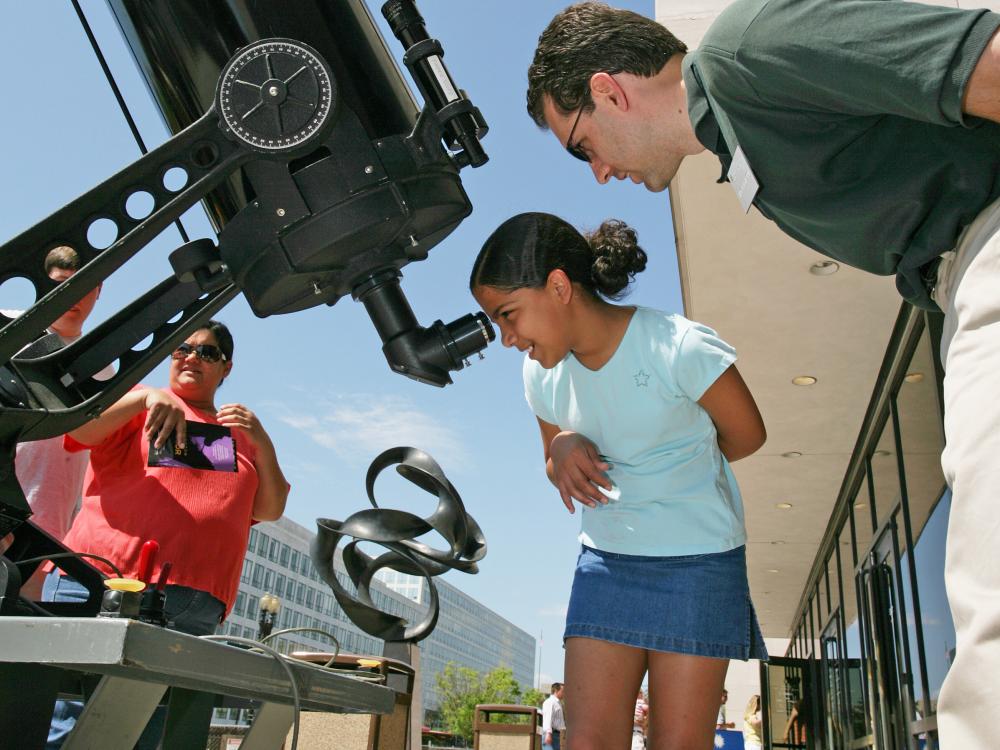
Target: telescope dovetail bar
<point>398,531</point>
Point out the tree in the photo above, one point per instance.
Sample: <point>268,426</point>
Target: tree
<point>533,697</point>
<point>461,689</point>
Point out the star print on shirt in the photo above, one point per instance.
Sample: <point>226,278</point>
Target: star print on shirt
<point>641,379</point>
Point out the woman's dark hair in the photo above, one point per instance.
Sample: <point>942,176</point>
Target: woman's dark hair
<point>526,248</point>
<point>222,335</point>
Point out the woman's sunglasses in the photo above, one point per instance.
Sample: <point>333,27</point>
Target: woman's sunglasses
<point>204,352</point>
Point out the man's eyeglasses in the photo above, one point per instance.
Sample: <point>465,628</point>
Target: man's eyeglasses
<point>574,148</point>
<point>204,352</point>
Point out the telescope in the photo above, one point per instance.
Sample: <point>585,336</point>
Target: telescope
<point>320,174</point>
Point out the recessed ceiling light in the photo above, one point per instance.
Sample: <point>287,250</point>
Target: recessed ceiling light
<point>881,453</point>
<point>791,454</point>
<point>859,505</point>
<point>914,377</point>
<point>824,268</point>
<point>783,506</point>
<point>803,380</point>
<point>778,541</point>
<point>773,570</point>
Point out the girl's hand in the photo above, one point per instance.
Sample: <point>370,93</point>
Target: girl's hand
<point>578,470</point>
<point>237,415</point>
<point>165,416</point>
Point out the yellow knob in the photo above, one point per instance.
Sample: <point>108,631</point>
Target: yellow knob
<point>124,584</point>
<point>369,663</point>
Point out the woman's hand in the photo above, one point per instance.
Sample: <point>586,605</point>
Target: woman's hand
<point>165,415</point>
<point>577,470</point>
<point>237,415</point>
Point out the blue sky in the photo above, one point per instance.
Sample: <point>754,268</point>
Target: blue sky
<point>318,379</point>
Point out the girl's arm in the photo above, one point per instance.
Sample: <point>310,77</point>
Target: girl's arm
<point>730,404</point>
<point>574,465</point>
<point>165,416</point>
<point>272,487</point>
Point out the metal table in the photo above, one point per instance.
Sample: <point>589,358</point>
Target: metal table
<point>133,665</point>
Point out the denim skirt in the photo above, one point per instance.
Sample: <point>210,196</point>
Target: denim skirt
<point>688,604</point>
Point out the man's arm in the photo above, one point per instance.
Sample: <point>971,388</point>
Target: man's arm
<point>982,94</point>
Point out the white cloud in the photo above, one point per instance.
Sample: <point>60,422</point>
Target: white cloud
<point>555,611</point>
<point>359,427</point>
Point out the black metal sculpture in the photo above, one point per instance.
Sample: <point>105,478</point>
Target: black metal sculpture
<point>397,531</point>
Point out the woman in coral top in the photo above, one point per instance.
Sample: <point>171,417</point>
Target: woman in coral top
<point>200,517</point>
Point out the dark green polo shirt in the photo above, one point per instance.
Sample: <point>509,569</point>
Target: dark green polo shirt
<point>849,113</point>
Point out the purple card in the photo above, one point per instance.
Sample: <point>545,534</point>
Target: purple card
<point>209,446</point>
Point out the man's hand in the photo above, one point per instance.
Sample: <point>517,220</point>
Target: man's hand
<point>577,470</point>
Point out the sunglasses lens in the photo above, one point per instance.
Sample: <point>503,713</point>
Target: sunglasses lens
<point>204,352</point>
<point>577,152</point>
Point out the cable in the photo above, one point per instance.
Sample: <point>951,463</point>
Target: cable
<point>78,555</point>
<point>118,95</point>
<point>284,665</point>
<point>331,636</point>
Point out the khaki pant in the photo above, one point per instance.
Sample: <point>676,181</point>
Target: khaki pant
<point>970,351</point>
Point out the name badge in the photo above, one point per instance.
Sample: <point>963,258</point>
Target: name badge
<point>743,180</point>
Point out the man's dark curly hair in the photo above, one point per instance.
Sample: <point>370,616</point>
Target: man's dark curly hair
<point>589,38</point>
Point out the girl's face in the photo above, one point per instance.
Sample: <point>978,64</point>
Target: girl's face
<point>532,320</point>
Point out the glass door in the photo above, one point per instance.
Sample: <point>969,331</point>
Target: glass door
<point>790,704</point>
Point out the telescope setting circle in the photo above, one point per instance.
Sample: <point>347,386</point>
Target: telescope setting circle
<point>277,96</point>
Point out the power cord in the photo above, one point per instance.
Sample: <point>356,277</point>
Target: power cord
<point>328,666</point>
<point>296,703</point>
<point>78,555</point>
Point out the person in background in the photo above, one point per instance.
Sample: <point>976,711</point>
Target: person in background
<point>200,517</point>
<point>640,722</point>
<point>50,476</point>
<point>640,412</point>
<point>553,723</point>
<point>752,719</point>
<point>720,721</point>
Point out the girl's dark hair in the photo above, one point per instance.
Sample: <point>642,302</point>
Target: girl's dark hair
<point>526,248</point>
<point>222,335</point>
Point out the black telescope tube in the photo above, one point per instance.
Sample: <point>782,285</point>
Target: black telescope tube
<point>432,77</point>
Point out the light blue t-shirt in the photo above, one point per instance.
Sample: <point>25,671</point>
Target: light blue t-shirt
<point>673,490</point>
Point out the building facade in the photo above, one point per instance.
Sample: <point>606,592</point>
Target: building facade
<point>277,562</point>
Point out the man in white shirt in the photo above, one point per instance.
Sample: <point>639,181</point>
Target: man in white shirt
<point>553,724</point>
<point>51,477</point>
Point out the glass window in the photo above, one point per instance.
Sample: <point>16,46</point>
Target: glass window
<point>279,585</point>
<point>268,578</point>
<point>300,593</point>
<point>295,562</point>
<point>309,596</point>
<point>272,553</point>
<point>262,541</point>
<point>247,568</point>
<point>885,473</point>
<point>285,553</point>
<point>253,539</point>
<point>921,434</point>
<point>937,627</point>
<point>258,575</point>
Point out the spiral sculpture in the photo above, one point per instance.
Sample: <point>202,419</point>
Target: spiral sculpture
<point>397,532</point>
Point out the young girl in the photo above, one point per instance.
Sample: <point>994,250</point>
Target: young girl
<point>641,413</point>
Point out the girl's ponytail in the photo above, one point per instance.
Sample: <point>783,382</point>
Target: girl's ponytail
<point>617,258</point>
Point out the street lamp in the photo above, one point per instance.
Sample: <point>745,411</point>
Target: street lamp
<point>269,606</point>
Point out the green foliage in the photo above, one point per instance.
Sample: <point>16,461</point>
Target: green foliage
<point>532,697</point>
<point>462,689</point>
